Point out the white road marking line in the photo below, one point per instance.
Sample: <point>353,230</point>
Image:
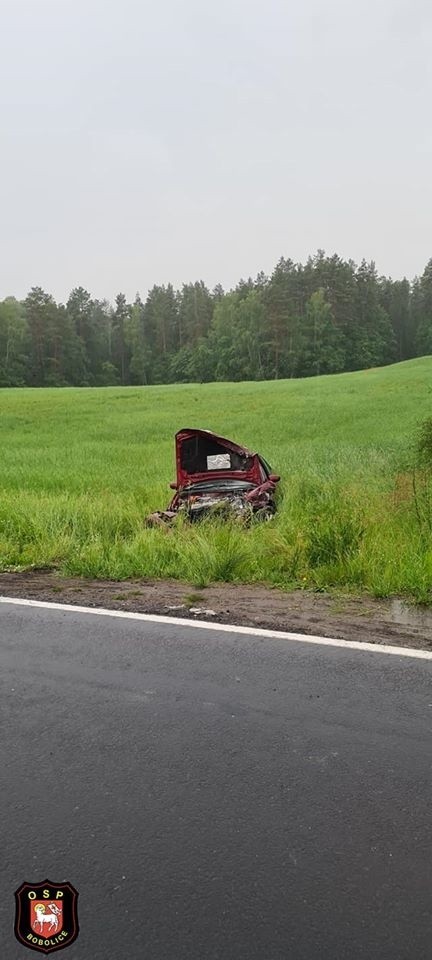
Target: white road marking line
<point>226,628</point>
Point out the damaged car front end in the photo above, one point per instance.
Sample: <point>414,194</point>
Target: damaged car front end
<point>217,477</point>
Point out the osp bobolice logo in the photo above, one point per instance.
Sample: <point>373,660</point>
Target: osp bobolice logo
<point>46,917</point>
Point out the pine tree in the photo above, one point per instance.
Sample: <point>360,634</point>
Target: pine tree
<point>120,350</point>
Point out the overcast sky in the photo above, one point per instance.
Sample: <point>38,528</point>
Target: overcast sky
<point>145,142</point>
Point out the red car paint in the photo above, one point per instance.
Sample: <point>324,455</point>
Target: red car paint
<point>213,471</point>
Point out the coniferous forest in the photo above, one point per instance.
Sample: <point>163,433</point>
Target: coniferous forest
<point>325,316</point>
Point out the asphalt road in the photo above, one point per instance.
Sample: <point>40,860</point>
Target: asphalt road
<point>215,796</point>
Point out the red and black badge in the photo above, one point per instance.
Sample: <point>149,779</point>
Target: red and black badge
<point>46,917</point>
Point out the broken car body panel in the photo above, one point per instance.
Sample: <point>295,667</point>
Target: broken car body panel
<point>215,474</point>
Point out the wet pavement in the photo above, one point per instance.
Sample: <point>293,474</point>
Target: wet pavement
<point>215,795</point>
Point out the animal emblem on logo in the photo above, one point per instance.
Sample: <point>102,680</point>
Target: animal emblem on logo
<point>50,913</point>
<point>46,916</point>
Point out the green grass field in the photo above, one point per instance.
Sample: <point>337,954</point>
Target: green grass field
<point>81,468</point>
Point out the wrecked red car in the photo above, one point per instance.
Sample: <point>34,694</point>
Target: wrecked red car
<point>217,476</point>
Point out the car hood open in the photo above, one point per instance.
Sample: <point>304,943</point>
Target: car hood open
<point>204,456</point>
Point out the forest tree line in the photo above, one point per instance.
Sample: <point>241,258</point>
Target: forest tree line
<point>325,316</point>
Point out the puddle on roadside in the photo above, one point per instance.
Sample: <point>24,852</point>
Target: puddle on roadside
<point>419,618</point>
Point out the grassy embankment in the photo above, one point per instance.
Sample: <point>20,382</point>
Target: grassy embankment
<point>80,469</point>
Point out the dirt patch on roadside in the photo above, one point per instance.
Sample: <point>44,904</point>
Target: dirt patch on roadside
<point>375,621</point>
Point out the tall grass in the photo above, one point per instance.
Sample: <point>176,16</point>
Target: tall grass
<point>80,469</point>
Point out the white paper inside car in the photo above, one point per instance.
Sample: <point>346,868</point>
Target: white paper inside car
<point>219,461</point>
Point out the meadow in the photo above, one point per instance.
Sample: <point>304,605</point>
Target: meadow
<point>81,468</point>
